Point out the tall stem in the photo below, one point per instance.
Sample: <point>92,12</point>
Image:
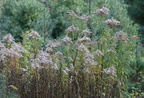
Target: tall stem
<point>89,11</point>
<point>44,29</point>
<point>89,7</point>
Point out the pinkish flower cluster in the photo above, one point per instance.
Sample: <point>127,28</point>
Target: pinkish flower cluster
<point>111,51</point>
<point>66,39</point>
<point>72,14</point>
<point>18,48</point>
<point>82,47</point>
<point>99,53</point>
<point>55,66</point>
<point>52,45</point>
<point>58,53</point>
<point>2,51</point>
<point>43,58</point>
<point>14,51</point>
<point>72,29</point>
<point>112,22</point>
<point>84,39</point>
<point>85,17</point>
<point>86,70</point>
<point>135,37</point>
<point>103,11</point>
<point>89,59</point>
<point>86,31</point>
<point>1,45</point>
<point>121,35</point>
<point>70,69</point>
<point>8,38</point>
<point>34,34</point>
<point>110,71</point>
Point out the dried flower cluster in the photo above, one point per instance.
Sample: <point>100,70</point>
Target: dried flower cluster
<point>103,11</point>
<point>111,51</point>
<point>72,29</point>
<point>86,70</point>
<point>42,58</point>
<point>112,22</point>
<point>55,66</point>
<point>1,45</point>
<point>89,59</point>
<point>14,51</point>
<point>72,14</point>
<point>8,38</point>
<point>135,37</point>
<point>110,70</point>
<point>86,31</point>
<point>18,48</point>
<point>121,35</point>
<point>2,51</point>
<point>99,53</point>
<point>84,39</point>
<point>82,47</point>
<point>69,69</point>
<point>66,39</point>
<point>58,53</point>
<point>51,45</point>
<point>85,17</point>
<point>34,34</point>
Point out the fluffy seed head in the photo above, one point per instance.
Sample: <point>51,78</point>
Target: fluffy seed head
<point>55,67</point>
<point>34,34</point>
<point>121,35</point>
<point>85,17</point>
<point>53,44</point>
<point>98,53</point>
<point>58,53</point>
<point>66,39</point>
<point>72,29</point>
<point>1,45</point>
<point>84,39</point>
<point>43,58</point>
<point>8,38</point>
<point>18,48</point>
<point>110,70</point>
<point>72,14</point>
<point>89,59</point>
<point>82,47</point>
<point>103,11</point>
<point>111,51</point>
<point>12,53</point>
<point>112,22</point>
<point>86,70</point>
<point>135,37</point>
<point>86,31</point>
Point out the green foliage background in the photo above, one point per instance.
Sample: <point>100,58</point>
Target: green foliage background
<point>21,15</point>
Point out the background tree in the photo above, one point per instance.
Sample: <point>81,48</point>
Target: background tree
<point>135,11</point>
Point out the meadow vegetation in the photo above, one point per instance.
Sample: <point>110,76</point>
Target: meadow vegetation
<point>69,49</point>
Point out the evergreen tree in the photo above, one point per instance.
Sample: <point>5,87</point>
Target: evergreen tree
<point>135,10</point>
